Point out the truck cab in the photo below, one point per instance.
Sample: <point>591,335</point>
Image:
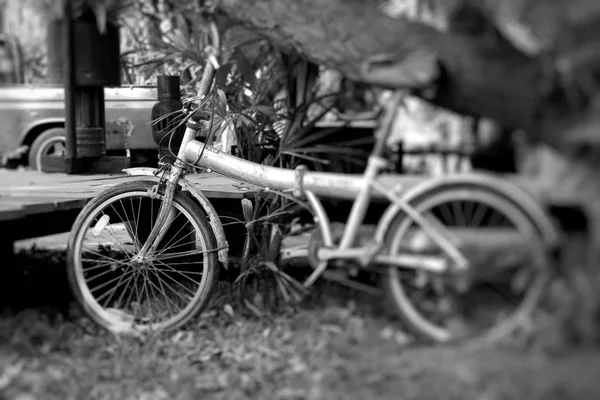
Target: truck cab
<point>32,116</point>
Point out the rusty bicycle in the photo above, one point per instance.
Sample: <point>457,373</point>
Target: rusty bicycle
<point>144,256</point>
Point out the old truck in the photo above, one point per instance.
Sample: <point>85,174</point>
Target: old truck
<point>32,116</point>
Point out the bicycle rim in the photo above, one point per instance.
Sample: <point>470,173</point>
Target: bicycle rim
<point>413,292</point>
<point>123,295</point>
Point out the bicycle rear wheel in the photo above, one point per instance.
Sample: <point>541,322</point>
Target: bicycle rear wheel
<point>505,249</point>
<point>123,294</point>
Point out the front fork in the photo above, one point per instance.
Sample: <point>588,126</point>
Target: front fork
<point>166,213</point>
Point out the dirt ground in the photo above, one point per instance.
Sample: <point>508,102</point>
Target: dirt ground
<point>332,347</point>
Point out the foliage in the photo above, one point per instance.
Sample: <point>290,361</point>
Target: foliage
<point>27,20</point>
<point>161,37</point>
<point>330,348</point>
<point>265,105</point>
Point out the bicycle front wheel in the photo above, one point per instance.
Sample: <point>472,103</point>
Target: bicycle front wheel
<point>506,253</point>
<point>126,294</point>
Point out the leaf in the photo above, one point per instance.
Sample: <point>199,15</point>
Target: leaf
<point>245,120</point>
<point>245,68</point>
<point>222,96</point>
<point>229,310</point>
<point>182,24</point>
<point>267,110</point>
<point>222,73</point>
<point>253,308</point>
<point>401,338</point>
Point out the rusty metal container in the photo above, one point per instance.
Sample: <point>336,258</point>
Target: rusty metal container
<point>164,114</point>
<point>90,142</point>
<point>97,56</point>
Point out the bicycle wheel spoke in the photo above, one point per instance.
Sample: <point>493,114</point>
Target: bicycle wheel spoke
<point>479,215</point>
<point>189,263</point>
<point>131,292</point>
<point>101,274</point>
<point>469,213</point>
<point>460,221</point>
<point>112,292</point>
<point>495,219</point>
<point>173,290</point>
<point>136,243</point>
<point>176,234</point>
<point>123,220</point>
<point>109,259</point>
<point>105,284</point>
<point>446,213</point>
<point>168,256</point>
<point>98,265</point>
<point>161,290</point>
<point>171,254</point>
<point>178,273</point>
<point>171,294</point>
<point>152,212</point>
<point>110,230</point>
<point>176,245</point>
<point>139,292</point>
<point>129,280</point>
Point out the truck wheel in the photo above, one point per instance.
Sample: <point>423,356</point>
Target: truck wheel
<point>51,142</point>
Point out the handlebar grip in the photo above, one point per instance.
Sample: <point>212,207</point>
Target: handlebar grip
<point>209,68</point>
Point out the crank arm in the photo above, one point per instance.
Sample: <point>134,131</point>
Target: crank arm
<point>429,263</point>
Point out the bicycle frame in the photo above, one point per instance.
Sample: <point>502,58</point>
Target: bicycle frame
<point>312,185</point>
<point>303,183</point>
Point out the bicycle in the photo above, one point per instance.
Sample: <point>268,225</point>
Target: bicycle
<point>156,272</point>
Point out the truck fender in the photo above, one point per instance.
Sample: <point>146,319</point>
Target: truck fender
<point>538,216</point>
<point>37,123</point>
<point>202,200</point>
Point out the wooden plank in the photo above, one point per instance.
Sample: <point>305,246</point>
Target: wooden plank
<point>24,193</point>
<point>11,212</point>
<point>214,186</point>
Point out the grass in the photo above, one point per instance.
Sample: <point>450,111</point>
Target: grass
<point>335,346</point>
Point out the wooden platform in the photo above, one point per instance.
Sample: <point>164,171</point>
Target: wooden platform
<point>30,192</point>
<point>34,204</point>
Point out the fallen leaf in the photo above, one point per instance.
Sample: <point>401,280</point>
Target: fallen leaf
<point>402,338</point>
<point>386,333</point>
<point>229,310</point>
<point>9,373</point>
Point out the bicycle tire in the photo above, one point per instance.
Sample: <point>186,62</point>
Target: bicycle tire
<point>396,292</point>
<point>118,321</point>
